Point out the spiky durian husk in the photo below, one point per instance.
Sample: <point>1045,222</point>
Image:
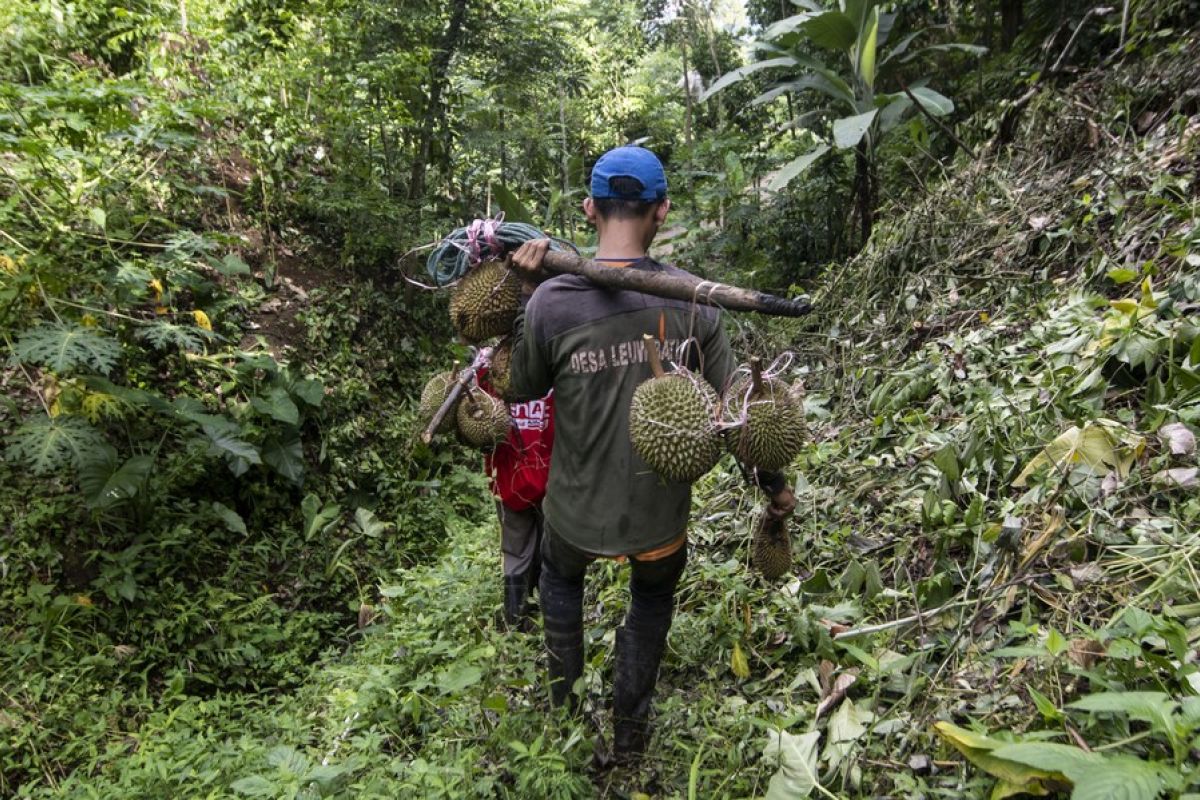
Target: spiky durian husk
<point>432,397</point>
<point>486,302</point>
<point>671,426</point>
<point>773,431</point>
<point>483,420</point>
<point>771,548</point>
<point>500,373</point>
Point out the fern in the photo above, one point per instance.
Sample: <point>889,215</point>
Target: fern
<point>46,444</point>
<point>167,336</point>
<point>62,348</point>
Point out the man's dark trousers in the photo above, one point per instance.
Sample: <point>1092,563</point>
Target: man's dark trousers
<point>640,641</point>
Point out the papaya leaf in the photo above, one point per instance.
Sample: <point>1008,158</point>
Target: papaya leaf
<point>46,444</point>
<point>61,347</point>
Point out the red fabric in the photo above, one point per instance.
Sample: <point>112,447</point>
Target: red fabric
<point>520,467</point>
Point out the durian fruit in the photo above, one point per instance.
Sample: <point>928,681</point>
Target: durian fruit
<point>771,547</point>
<point>771,431</point>
<point>500,372</point>
<point>486,302</point>
<point>432,397</point>
<point>671,422</point>
<point>483,420</point>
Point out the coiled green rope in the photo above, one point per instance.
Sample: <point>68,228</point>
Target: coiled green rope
<point>481,240</point>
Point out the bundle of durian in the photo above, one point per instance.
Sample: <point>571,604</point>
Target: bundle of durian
<point>764,418</point>
<point>486,302</point>
<point>433,395</point>
<point>771,547</point>
<point>483,420</point>
<point>500,372</point>
<point>671,421</point>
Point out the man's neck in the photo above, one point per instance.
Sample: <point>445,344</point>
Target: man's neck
<point>622,241</point>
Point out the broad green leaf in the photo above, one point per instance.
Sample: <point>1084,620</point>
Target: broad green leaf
<point>98,218</point>
<point>310,390</point>
<point>1121,275</point>
<point>796,776</point>
<point>845,728</point>
<point>867,39</point>
<point>368,524</point>
<point>937,104</point>
<point>318,518</point>
<point>1153,707</point>
<point>232,520</point>
<point>255,786</point>
<point>832,30</point>
<point>793,168</point>
<point>1049,756</point>
<point>277,405</point>
<point>946,460</point>
<point>739,74</point>
<point>849,131</point>
<point>62,347</point>
<point>285,455</point>
<point>224,437</point>
<point>454,679</point>
<point>777,30</point>
<point>514,210</point>
<point>1121,778</point>
<point>105,485</point>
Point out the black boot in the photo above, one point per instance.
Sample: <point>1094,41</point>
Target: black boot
<point>639,651</point>
<point>516,602</point>
<point>562,621</point>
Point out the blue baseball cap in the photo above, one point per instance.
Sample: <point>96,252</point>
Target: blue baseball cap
<point>637,163</point>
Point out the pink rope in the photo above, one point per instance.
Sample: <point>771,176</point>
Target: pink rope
<point>482,239</point>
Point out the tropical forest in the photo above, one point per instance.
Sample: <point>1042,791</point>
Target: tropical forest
<point>279,326</point>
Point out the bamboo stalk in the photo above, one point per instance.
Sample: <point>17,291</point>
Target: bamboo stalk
<point>676,287</point>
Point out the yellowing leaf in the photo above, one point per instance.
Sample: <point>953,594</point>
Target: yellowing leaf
<point>161,310</point>
<point>201,319</point>
<point>156,287</point>
<point>1125,306</point>
<point>8,265</point>
<point>738,662</point>
<point>1148,300</point>
<point>977,749</point>
<point>1103,446</point>
<point>83,600</point>
<point>985,317</point>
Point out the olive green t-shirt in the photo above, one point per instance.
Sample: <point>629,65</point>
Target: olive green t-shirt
<point>586,343</point>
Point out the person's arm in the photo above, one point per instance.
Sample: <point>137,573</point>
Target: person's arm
<point>531,377</point>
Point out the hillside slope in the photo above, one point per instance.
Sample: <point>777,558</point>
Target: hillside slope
<point>998,517</point>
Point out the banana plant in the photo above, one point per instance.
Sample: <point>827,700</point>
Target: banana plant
<point>848,84</point>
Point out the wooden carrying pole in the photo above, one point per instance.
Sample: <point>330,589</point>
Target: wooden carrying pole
<point>676,287</point>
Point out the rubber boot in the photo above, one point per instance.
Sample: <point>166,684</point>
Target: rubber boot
<point>516,602</point>
<point>562,621</point>
<point>639,651</point>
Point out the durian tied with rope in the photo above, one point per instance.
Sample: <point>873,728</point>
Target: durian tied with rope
<point>765,419</point>
<point>771,547</point>
<point>671,421</point>
<point>486,301</point>
<point>434,395</point>
<point>483,420</point>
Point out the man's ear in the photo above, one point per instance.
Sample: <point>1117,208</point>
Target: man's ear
<point>589,210</point>
<point>660,211</point>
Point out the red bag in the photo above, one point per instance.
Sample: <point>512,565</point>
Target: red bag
<point>520,466</point>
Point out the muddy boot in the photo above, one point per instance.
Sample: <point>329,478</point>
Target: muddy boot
<point>639,652</point>
<point>562,621</point>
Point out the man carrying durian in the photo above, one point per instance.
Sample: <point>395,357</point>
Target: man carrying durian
<point>586,343</point>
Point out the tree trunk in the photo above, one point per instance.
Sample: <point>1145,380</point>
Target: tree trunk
<point>439,69</point>
<point>864,189</point>
<point>1012,17</point>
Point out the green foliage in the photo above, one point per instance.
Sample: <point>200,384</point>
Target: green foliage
<point>64,348</point>
<point>47,444</point>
